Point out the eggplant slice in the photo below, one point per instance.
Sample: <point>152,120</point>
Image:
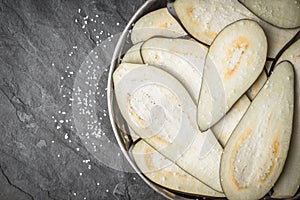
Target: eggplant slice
<point>164,172</point>
<point>288,182</point>
<point>133,55</point>
<point>224,128</point>
<point>280,13</point>
<point>156,23</point>
<point>255,154</point>
<point>160,110</point>
<point>204,19</point>
<point>257,85</point>
<point>184,59</point>
<point>234,61</point>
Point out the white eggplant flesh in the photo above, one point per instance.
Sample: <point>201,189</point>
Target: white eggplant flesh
<point>233,63</point>
<point>224,128</point>
<point>289,181</point>
<point>184,59</point>
<point>280,13</point>
<point>133,55</point>
<point>204,19</point>
<point>160,110</point>
<point>257,85</point>
<point>255,153</point>
<point>157,23</point>
<point>165,173</point>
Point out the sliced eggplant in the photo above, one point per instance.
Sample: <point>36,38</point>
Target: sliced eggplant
<point>133,55</point>
<point>184,59</point>
<point>224,128</point>
<point>234,61</point>
<point>289,181</point>
<point>256,151</point>
<point>257,85</point>
<point>164,172</point>
<point>204,19</point>
<point>280,13</point>
<point>160,110</point>
<point>156,23</point>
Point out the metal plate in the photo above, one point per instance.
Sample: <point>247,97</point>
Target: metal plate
<point>123,137</point>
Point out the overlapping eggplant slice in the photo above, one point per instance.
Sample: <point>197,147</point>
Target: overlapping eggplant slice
<point>156,23</point>
<point>160,110</point>
<point>133,55</point>
<point>204,19</point>
<point>224,128</point>
<point>255,153</point>
<point>257,85</point>
<point>166,173</point>
<point>184,59</point>
<point>280,13</point>
<point>235,58</point>
<point>289,181</point>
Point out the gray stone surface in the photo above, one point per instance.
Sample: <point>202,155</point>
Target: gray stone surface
<point>44,154</point>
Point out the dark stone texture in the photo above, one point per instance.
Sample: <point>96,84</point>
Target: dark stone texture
<point>42,158</point>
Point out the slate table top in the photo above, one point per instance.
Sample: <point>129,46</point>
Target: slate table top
<point>56,142</point>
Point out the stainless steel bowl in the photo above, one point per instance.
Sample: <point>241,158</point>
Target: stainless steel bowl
<point>122,136</point>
